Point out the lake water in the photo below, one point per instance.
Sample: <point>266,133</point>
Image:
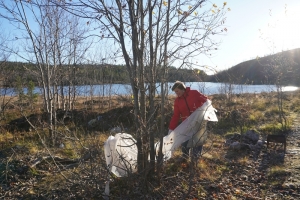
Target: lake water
<point>206,88</point>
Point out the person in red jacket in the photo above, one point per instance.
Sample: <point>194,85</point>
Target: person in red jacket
<point>186,102</point>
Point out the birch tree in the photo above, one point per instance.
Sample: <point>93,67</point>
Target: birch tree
<point>149,37</point>
<point>47,38</point>
<point>5,93</point>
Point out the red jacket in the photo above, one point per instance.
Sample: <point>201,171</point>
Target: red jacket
<point>185,105</point>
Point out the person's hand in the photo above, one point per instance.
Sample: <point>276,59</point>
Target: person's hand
<point>170,131</point>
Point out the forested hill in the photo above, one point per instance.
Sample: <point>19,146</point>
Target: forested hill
<point>282,68</point>
<point>16,74</point>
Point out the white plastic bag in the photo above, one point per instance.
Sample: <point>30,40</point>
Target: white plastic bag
<point>121,154</point>
<point>193,127</point>
<point>200,137</point>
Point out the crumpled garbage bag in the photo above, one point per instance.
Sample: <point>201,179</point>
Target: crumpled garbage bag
<point>121,154</point>
<point>192,129</point>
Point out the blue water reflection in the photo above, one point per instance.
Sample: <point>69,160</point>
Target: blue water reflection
<point>207,88</point>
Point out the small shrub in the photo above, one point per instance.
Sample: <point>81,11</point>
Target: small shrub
<point>295,106</point>
<point>256,116</point>
<point>259,105</point>
<point>33,150</point>
<point>222,168</point>
<point>244,160</point>
<point>201,191</point>
<point>203,165</point>
<point>69,151</point>
<point>271,128</point>
<point>33,171</point>
<point>6,136</point>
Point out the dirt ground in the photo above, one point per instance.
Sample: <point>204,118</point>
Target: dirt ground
<point>292,157</point>
<point>290,188</point>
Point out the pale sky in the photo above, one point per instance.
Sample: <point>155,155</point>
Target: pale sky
<point>244,22</point>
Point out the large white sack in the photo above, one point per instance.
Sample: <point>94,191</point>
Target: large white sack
<point>200,137</point>
<point>193,127</point>
<point>121,154</point>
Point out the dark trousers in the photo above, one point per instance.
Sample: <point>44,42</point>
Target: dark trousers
<point>196,151</point>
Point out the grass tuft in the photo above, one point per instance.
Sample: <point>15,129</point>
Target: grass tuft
<point>277,175</point>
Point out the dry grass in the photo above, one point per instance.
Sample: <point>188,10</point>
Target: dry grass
<point>259,112</point>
